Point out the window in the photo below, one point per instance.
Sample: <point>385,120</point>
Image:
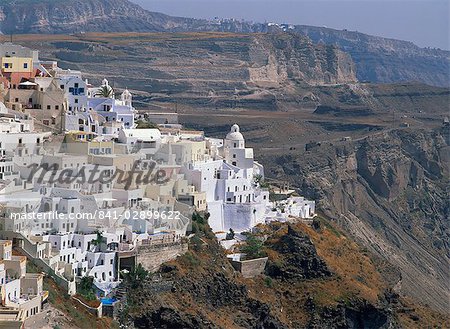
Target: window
<point>25,65</point>
<point>76,85</point>
<point>61,86</point>
<point>234,156</point>
<point>56,107</point>
<point>49,107</point>
<point>76,100</point>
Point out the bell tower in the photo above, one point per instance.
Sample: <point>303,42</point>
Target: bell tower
<point>127,98</point>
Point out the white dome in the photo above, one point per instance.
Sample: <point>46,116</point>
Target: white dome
<point>126,93</point>
<point>234,134</point>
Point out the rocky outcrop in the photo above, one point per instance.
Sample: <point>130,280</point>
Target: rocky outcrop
<point>300,258</point>
<point>355,314</point>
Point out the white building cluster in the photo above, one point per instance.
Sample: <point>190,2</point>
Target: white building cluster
<point>77,207</point>
<point>94,109</point>
<point>22,292</point>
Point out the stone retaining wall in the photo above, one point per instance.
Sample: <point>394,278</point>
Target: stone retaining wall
<point>152,256</point>
<point>250,268</point>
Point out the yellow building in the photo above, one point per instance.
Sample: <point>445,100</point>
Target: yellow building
<point>81,142</point>
<point>17,64</point>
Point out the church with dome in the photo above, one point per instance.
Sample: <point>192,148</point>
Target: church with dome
<point>234,198</point>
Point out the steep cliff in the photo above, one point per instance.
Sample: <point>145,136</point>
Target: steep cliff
<point>386,60</point>
<point>278,57</point>
<point>389,191</point>
<point>57,16</point>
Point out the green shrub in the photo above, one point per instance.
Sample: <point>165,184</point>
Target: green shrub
<point>190,259</point>
<point>268,282</point>
<point>253,248</point>
<point>196,243</point>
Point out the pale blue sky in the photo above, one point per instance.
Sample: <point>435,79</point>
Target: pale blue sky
<point>425,22</point>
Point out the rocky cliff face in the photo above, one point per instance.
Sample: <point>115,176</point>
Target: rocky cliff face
<point>56,16</point>
<point>386,60</point>
<point>280,57</point>
<point>389,191</point>
<point>204,65</point>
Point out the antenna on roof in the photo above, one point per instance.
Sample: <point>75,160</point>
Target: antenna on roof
<point>11,37</point>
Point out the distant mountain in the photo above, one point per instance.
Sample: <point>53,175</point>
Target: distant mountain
<point>377,59</point>
<point>386,60</point>
<point>58,16</point>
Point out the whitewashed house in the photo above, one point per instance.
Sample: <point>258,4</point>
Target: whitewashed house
<point>233,198</point>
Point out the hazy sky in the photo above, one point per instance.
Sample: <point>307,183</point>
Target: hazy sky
<point>425,22</point>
